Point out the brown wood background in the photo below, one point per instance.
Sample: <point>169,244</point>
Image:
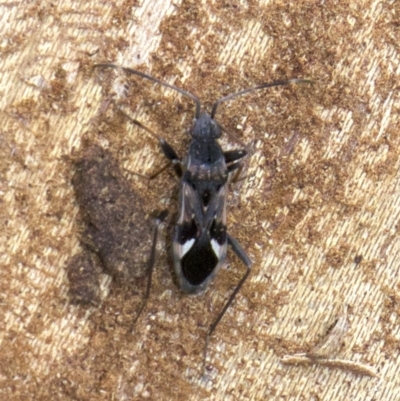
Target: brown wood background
<point>319,214</point>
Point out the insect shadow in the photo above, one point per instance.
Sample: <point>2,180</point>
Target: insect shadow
<point>116,238</point>
<point>201,238</point>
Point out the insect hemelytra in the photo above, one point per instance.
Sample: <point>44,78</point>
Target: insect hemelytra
<point>200,237</point>
<point>116,235</point>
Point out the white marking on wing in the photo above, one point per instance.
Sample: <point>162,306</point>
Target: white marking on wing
<point>185,248</point>
<point>217,248</point>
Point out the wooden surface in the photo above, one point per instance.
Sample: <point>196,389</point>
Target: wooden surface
<point>318,214</point>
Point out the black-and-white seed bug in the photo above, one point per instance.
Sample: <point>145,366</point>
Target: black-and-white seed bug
<point>200,237</point>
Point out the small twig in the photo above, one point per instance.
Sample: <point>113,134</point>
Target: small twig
<point>344,364</point>
<point>322,353</point>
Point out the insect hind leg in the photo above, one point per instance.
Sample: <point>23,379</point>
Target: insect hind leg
<point>151,262</point>
<point>248,263</point>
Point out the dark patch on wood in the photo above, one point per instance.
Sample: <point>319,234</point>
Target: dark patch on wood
<point>116,229</point>
<point>83,275</point>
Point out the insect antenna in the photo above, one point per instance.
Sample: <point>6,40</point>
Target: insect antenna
<point>150,78</point>
<point>255,88</point>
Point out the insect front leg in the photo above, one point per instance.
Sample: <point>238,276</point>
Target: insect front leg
<point>247,262</point>
<point>234,158</point>
<point>167,149</point>
<point>171,155</point>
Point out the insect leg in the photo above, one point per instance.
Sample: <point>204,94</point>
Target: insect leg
<point>167,149</point>
<point>247,262</point>
<point>239,252</point>
<point>150,265</point>
<point>233,159</point>
<point>234,155</point>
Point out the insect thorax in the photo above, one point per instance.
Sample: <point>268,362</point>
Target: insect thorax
<point>206,169</point>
